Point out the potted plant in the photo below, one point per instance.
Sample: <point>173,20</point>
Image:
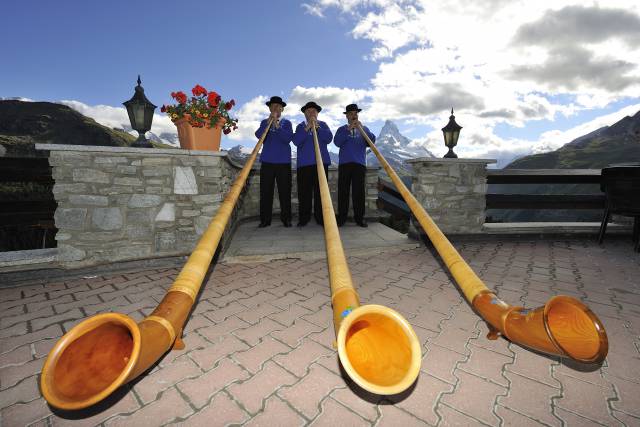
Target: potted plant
<point>201,119</point>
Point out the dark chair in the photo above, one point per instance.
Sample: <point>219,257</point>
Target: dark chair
<point>621,185</point>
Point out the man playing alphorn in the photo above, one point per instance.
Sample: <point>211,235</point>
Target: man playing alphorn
<point>352,166</point>
<point>275,163</point>
<point>306,169</point>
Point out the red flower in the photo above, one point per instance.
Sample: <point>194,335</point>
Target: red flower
<point>198,90</point>
<point>180,97</point>
<point>226,131</point>
<point>228,106</point>
<point>163,109</point>
<point>213,99</point>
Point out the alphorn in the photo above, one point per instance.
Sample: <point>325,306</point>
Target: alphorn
<point>377,347</point>
<point>108,350</point>
<point>562,327</point>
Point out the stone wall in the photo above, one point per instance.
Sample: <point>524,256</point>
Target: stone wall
<point>453,193</point>
<point>119,203</point>
<point>131,203</point>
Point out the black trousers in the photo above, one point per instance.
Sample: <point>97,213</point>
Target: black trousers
<point>307,180</point>
<point>351,176</point>
<point>281,174</point>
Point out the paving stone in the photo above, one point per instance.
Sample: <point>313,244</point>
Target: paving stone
<point>161,379</point>
<point>299,360</point>
<point>287,317</point>
<point>276,409</point>
<point>6,344</point>
<point>392,417</point>
<point>451,417</point>
<point>484,396</point>
<point>333,413</point>
<point>254,391</point>
<point>122,402</point>
<point>441,362</point>
<point>530,398</point>
<point>221,409</point>
<point>212,333</point>
<point>25,391</point>
<point>256,313</point>
<point>199,390</point>
<point>584,398</point>
<point>11,375</point>
<point>572,419</point>
<point>293,334</point>
<point>16,357</point>
<point>22,414</point>
<point>487,364</point>
<point>420,401</point>
<point>253,334</point>
<point>167,408</point>
<point>512,418</point>
<point>225,346</point>
<point>306,395</point>
<point>364,403</point>
<point>253,358</point>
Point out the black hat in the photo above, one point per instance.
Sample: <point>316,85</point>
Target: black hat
<point>352,107</point>
<point>311,104</point>
<point>276,100</point>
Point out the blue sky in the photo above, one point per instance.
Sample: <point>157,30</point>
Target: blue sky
<point>519,78</point>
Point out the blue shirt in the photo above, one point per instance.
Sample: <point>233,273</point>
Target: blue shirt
<point>304,141</point>
<point>276,148</point>
<point>353,147</point>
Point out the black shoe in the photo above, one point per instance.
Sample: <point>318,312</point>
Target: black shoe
<point>302,224</point>
<point>264,224</point>
<point>320,223</point>
<point>286,223</point>
<point>362,223</point>
<point>341,222</point>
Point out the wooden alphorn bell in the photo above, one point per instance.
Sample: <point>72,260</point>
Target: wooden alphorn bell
<point>377,347</point>
<point>562,327</point>
<point>108,350</point>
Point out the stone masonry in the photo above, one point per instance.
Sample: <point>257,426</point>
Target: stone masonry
<point>117,204</point>
<point>131,203</point>
<point>452,191</point>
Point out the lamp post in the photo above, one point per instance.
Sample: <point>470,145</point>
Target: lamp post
<point>140,111</point>
<point>451,133</point>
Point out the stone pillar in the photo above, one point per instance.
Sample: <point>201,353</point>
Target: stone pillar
<point>452,191</point>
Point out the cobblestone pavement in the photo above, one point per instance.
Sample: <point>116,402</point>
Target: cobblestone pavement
<point>259,343</point>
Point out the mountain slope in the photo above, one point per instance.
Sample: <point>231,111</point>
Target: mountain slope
<point>396,149</point>
<point>24,124</point>
<point>618,143</point>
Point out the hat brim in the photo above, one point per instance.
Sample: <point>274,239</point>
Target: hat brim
<point>358,110</point>
<point>317,107</point>
<point>268,103</point>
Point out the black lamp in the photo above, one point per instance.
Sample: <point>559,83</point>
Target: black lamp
<point>140,111</point>
<point>451,133</point>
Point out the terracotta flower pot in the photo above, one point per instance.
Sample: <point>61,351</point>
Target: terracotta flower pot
<point>204,138</point>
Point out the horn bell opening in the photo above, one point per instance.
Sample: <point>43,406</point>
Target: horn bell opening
<point>379,350</point>
<point>90,361</point>
<point>575,329</point>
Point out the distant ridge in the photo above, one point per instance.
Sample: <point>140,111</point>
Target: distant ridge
<point>618,143</point>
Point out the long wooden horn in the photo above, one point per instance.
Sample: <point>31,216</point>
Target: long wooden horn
<point>377,347</point>
<point>562,327</point>
<point>108,350</point>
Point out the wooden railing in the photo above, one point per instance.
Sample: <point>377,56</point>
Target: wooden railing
<point>27,204</point>
<point>544,201</point>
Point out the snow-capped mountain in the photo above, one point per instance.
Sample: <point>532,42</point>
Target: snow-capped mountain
<point>396,148</point>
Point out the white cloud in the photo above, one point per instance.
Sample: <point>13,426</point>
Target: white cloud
<point>496,61</point>
<point>117,117</point>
